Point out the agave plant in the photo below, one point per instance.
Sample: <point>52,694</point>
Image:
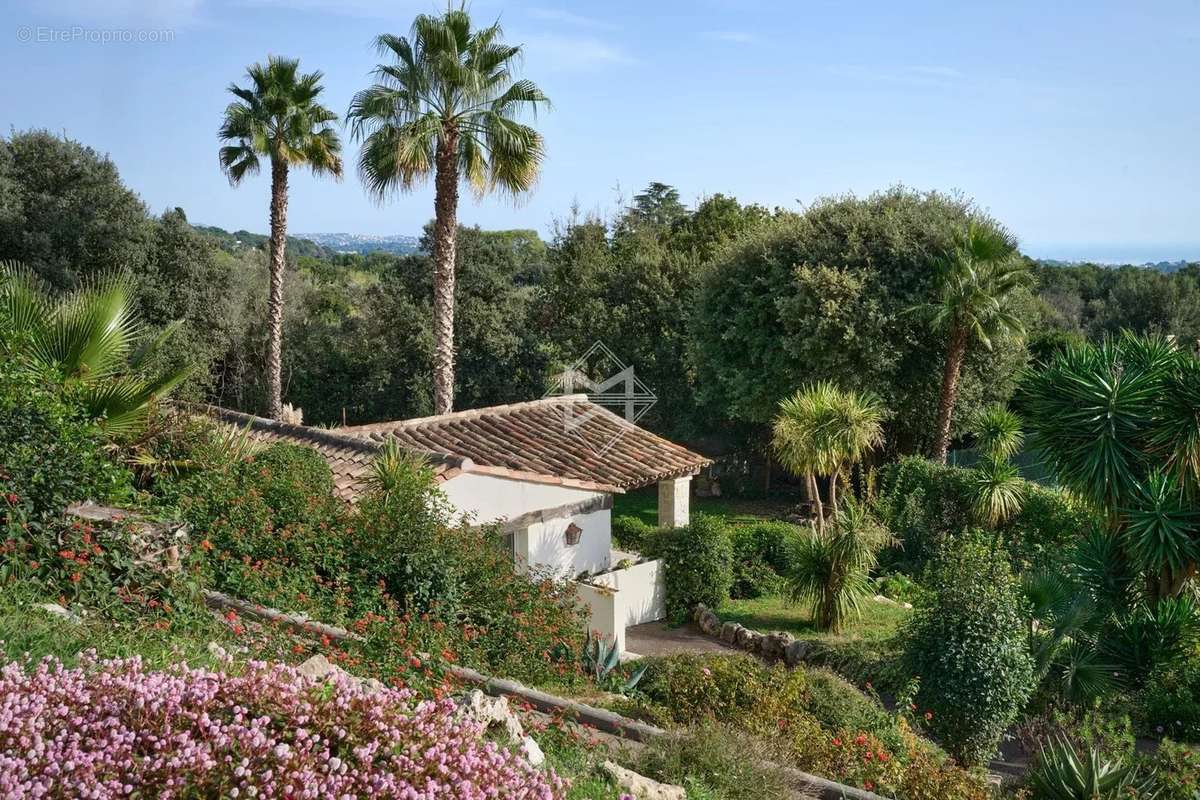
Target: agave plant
<point>832,568</point>
<point>1065,773</point>
<point>601,661</point>
<point>91,339</point>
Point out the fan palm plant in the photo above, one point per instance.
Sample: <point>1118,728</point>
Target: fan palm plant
<point>92,339</point>
<point>278,117</point>
<point>833,567</point>
<point>447,105</point>
<point>825,430</point>
<point>978,280</point>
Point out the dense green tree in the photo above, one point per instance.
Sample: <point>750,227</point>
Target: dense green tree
<point>823,296</point>
<point>64,212</point>
<point>447,106</point>
<point>279,118</point>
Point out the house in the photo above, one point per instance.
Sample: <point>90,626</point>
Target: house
<point>546,470</point>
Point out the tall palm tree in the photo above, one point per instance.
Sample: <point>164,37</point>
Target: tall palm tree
<point>978,280</point>
<point>278,117</point>
<point>91,338</point>
<point>447,105</point>
<point>825,430</point>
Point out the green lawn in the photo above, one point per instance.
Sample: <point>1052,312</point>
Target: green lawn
<point>643,504</point>
<point>765,614</point>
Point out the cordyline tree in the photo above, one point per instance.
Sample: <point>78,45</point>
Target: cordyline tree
<point>1118,423</point>
<point>978,280</point>
<point>278,118</point>
<point>447,105</point>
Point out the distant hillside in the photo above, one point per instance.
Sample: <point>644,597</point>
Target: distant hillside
<point>1161,266</point>
<point>242,240</point>
<point>362,243</point>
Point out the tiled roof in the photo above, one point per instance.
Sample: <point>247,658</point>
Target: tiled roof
<point>349,457</point>
<point>568,438</point>
<point>567,441</point>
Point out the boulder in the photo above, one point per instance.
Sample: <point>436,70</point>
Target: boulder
<point>492,712</point>
<point>795,652</point>
<point>774,644</point>
<point>58,611</point>
<point>640,787</point>
<point>729,632</point>
<point>532,751</point>
<point>320,667</point>
<point>710,623</point>
<point>748,639</point>
<point>699,611</point>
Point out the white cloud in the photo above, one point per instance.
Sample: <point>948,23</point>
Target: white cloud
<point>572,52</point>
<point>733,37</point>
<point>569,18</point>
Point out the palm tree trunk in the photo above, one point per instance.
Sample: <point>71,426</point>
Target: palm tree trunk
<point>279,198</point>
<point>833,493</point>
<point>445,229</point>
<point>950,373</point>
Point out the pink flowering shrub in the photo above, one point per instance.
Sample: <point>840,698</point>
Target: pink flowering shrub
<point>110,729</point>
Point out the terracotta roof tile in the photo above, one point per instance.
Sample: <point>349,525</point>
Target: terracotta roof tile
<point>561,440</point>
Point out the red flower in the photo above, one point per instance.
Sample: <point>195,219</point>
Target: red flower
<point>11,498</point>
<point>868,785</point>
<point>76,577</point>
<point>206,545</point>
<point>67,554</point>
<point>837,742</point>
<point>861,739</point>
<point>928,715</point>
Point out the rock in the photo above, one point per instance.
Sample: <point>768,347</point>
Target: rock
<point>58,611</point>
<point>729,632</point>
<point>748,639</point>
<point>699,611</point>
<point>795,652</point>
<point>774,645</point>
<point>887,601</point>
<point>532,751</point>
<point>710,623</point>
<point>641,787</point>
<point>906,605</point>
<point>217,652</point>
<point>319,667</point>
<point>492,712</point>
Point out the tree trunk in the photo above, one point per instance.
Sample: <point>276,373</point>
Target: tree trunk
<point>833,493</point>
<point>950,373</point>
<point>278,245</point>
<point>445,230</point>
<point>815,491</point>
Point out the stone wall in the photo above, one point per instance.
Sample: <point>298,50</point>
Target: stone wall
<point>768,646</point>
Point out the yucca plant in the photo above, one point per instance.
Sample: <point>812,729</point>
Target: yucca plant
<point>91,339</point>
<point>601,661</point>
<point>1118,424</point>
<point>833,567</point>
<point>998,433</point>
<point>1065,773</point>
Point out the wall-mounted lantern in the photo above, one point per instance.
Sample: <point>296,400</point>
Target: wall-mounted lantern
<point>573,533</point>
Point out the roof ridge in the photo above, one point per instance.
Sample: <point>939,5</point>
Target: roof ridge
<point>324,435</point>
<point>469,413</point>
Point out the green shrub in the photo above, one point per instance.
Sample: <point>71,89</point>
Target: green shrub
<point>966,644</point>
<point>699,564</point>
<point>808,718</point>
<point>630,533</point>
<point>926,505</point>
<point>715,761</point>
<point>1176,769</point>
<point>51,454</point>
<point>1170,701</point>
<point>764,554</point>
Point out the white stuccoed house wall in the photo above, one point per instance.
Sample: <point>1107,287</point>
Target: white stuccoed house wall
<point>486,498</point>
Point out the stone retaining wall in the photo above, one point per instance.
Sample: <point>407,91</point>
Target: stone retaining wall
<point>769,646</point>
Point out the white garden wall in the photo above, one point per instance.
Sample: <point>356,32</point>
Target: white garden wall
<point>641,592</point>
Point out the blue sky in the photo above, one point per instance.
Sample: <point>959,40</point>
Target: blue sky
<point>1075,123</point>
